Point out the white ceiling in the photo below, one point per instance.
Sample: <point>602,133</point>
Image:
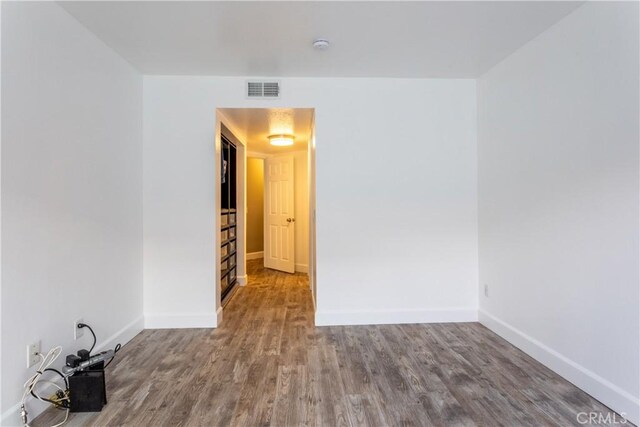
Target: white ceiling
<point>259,123</point>
<point>368,39</point>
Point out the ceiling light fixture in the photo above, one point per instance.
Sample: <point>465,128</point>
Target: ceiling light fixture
<point>281,140</point>
<point>321,44</point>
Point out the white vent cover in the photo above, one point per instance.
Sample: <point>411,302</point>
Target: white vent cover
<point>263,89</point>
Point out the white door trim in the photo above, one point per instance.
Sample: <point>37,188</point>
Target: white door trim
<point>241,198</point>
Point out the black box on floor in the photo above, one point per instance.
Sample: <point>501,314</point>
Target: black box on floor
<point>87,390</point>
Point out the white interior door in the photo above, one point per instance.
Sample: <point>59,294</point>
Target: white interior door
<point>279,230</point>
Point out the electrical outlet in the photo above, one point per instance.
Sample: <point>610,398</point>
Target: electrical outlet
<point>486,290</point>
<point>33,350</point>
<point>77,332</point>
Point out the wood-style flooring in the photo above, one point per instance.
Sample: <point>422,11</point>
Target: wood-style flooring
<point>267,365</point>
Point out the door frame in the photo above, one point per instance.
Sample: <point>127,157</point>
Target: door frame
<point>219,119</point>
<point>266,225</point>
<point>241,175</point>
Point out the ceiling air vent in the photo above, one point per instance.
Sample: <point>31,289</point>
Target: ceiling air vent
<point>256,89</point>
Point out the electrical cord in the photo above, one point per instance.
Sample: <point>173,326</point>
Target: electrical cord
<point>60,403</point>
<point>84,325</point>
<point>66,417</point>
<point>61,400</point>
<point>115,350</point>
<point>66,382</point>
<point>32,382</point>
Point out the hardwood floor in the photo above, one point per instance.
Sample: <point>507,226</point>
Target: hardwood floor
<point>268,365</point>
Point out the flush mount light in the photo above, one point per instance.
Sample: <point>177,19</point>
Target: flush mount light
<point>281,140</point>
<point>321,44</point>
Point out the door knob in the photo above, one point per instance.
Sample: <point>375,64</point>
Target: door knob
<point>291,220</point>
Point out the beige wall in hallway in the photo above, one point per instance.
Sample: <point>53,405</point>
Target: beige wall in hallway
<point>255,202</point>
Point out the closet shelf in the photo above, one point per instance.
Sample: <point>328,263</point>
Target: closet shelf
<point>228,170</point>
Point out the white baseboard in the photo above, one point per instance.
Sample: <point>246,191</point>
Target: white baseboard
<point>389,317</point>
<point>242,280</point>
<point>123,336</point>
<point>219,316</point>
<point>611,395</point>
<point>255,255</point>
<point>11,417</point>
<point>180,320</point>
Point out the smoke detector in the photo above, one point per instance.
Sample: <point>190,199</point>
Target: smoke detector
<point>321,44</point>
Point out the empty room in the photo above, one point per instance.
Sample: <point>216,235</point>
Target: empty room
<point>319,213</point>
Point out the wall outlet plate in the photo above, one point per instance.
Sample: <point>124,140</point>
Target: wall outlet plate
<point>33,350</point>
<point>77,332</point>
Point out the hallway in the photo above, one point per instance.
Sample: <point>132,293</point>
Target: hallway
<point>268,365</point>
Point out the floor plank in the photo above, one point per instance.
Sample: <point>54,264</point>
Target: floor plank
<point>267,365</point>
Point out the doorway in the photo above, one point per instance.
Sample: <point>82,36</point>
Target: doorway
<point>275,194</point>
<point>278,210</point>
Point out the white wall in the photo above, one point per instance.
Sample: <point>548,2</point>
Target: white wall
<point>311,158</point>
<point>301,210</point>
<point>396,196</point>
<point>558,191</point>
<point>71,190</point>
<point>1,405</point>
